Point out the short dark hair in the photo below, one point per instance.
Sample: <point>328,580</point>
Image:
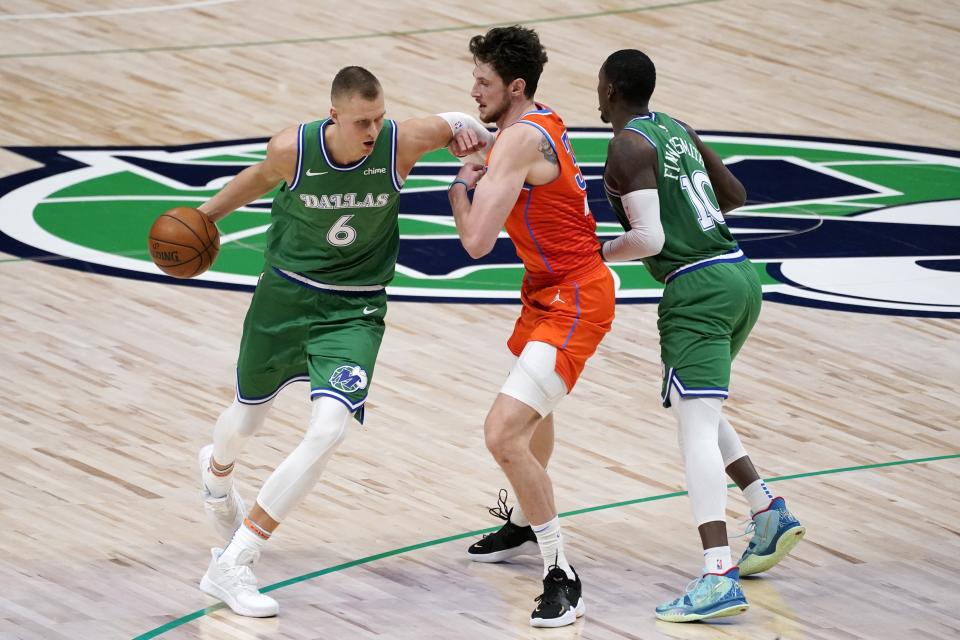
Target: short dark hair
<point>355,80</point>
<point>632,75</point>
<point>513,52</point>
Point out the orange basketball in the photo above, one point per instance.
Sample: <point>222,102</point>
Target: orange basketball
<point>183,242</point>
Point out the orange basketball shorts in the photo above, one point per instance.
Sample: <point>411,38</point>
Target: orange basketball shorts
<point>573,316</point>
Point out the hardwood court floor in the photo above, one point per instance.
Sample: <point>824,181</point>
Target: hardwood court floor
<point>111,385</point>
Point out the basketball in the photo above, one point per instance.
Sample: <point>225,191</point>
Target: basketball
<point>183,242</point>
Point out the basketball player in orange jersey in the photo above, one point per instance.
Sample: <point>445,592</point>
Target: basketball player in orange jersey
<point>532,185</point>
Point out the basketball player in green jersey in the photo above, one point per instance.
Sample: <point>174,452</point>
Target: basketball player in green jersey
<point>318,310</point>
<point>670,191</point>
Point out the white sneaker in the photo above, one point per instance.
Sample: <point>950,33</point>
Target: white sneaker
<point>224,514</point>
<point>236,586</point>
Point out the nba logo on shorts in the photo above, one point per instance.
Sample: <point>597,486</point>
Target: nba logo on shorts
<point>348,378</point>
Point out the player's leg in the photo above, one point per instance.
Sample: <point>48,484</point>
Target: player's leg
<point>530,393</point>
<point>515,537</point>
<point>717,592</point>
<point>695,347</point>
<point>222,502</point>
<point>268,360</point>
<point>775,530</point>
<point>342,348</point>
<point>230,575</point>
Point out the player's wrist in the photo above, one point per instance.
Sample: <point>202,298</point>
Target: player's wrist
<point>453,184</point>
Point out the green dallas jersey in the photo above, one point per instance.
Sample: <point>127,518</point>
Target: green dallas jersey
<point>338,225</point>
<point>693,225</point>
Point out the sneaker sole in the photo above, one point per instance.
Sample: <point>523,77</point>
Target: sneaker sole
<point>788,540</point>
<point>725,612</point>
<point>211,588</point>
<point>568,618</point>
<point>528,548</point>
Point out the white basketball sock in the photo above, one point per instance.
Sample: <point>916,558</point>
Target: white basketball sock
<point>717,560</point>
<point>550,540</point>
<point>245,545</point>
<point>758,495</point>
<point>518,517</point>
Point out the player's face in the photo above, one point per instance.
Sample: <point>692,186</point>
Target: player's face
<point>490,92</point>
<point>360,121</point>
<point>603,97</point>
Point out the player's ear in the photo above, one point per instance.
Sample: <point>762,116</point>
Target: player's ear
<point>333,114</point>
<point>517,87</point>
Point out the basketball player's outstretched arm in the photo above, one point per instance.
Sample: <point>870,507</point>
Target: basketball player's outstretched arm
<point>479,223</point>
<point>256,180</point>
<point>418,136</point>
<point>730,191</point>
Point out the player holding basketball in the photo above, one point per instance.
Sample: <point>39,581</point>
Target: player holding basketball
<point>318,310</point>
<point>670,191</point>
<point>535,189</point>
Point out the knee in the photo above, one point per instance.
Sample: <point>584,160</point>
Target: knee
<point>325,436</point>
<point>328,427</point>
<point>244,419</point>
<point>500,443</point>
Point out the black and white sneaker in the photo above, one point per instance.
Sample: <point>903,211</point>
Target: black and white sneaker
<point>561,602</point>
<point>506,543</point>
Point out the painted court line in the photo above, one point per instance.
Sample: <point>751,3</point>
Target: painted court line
<point>360,36</point>
<point>173,624</point>
<point>114,12</point>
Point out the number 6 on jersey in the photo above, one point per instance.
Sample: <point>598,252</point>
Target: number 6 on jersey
<point>341,234</point>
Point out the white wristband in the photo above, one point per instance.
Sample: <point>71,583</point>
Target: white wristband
<point>458,121</point>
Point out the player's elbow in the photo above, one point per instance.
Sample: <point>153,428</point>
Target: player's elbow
<point>734,197</point>
<point>655,242</point>
<point>477,247</point>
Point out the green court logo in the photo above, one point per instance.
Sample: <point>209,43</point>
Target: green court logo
<point>828,223</point>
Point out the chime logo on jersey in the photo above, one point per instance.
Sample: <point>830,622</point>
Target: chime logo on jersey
<point>349,378</point>
<point>828,223</point>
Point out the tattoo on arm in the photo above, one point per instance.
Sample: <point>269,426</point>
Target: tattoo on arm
<point>547,150</point>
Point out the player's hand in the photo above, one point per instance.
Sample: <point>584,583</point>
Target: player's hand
<point>471,174</point>
<point>465,142</point>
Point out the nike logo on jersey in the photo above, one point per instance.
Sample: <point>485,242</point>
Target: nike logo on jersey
<point>316,173</point>
<point>367,310</point>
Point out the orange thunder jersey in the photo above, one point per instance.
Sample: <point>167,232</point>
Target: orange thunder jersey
<point>551,225</point>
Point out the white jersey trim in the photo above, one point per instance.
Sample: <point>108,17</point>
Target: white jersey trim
<point>292,275</point>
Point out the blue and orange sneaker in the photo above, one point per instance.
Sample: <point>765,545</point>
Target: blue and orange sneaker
<point>713,595</point>
<point>775,533</point>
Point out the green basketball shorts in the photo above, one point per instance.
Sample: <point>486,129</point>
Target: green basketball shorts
<point>705,316</point>
<point>296,331</point>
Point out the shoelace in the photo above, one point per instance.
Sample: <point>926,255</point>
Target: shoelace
<point>555,591</point>
<point>692,585</point>
<point>242,574</point>
<point>749,527</point>
<point>501,511</point>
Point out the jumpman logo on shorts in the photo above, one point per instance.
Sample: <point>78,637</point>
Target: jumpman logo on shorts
<point>557,298</point>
